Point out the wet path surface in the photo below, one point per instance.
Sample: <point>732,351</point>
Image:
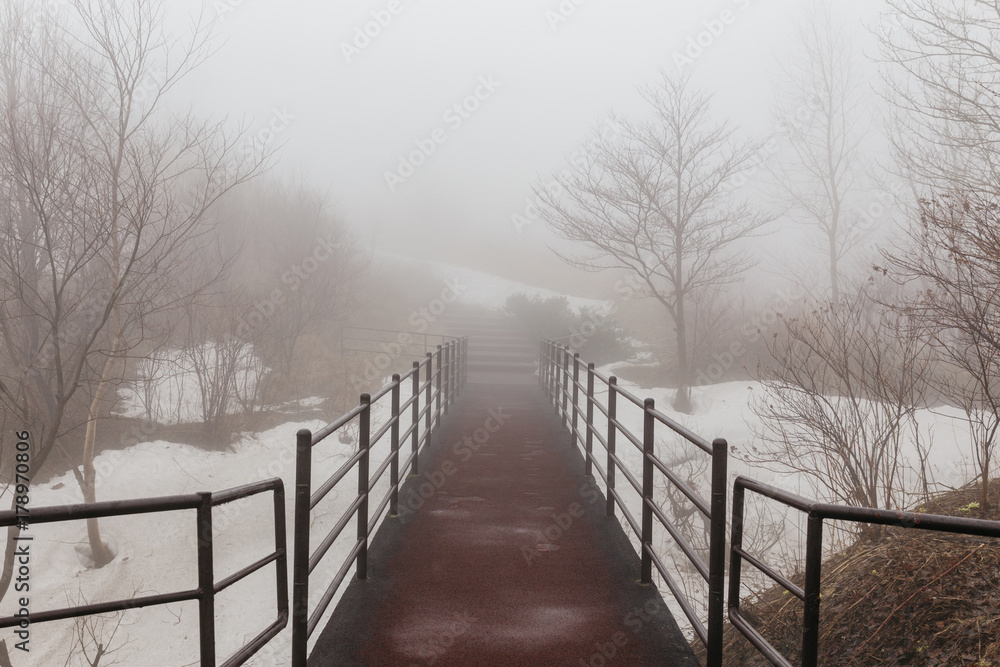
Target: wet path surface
<point>501,555</point>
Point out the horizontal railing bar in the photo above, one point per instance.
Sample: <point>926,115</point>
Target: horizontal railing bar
<point>377,514</point>
<point>603,410</point>
<point>683,431</point>
<point>638,402</point>
<point>628,474</point>
<point>601,439</point>
<point>383,391</point>
<point>408,403</point>
<point>757,639</point>
<point>397,331</point>
<point>103,509</point>
<point>258,642</point>
<point>678,594</point>
<point>628,434</point>
<point>625,512</point>
<point>332,589</point>
<point>334,533</point>
<point>935,522</point>
<point>687,491</point>
<point>327,430</point>
<point>245,491</point>
<point>374,439</point>
<point>405,435</point>
<point>328,485</point>
<point>409,459</point>
<point>103,607</point>
<point>603,473</point>
<point>374,479</point>
<point>680,539</point>
<point>773,574</point>
<point>247,571</point>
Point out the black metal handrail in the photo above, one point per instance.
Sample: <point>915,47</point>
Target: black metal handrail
<point>810,593</point>
<point>207,588</point>
<point>559,371</point>
<point>444,373</point>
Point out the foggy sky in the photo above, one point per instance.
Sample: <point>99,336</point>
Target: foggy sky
<point>558,68</point>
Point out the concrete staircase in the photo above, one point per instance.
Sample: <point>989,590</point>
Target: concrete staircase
<point>500,352</point>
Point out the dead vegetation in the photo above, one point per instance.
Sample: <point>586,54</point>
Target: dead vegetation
<point>913,598</point>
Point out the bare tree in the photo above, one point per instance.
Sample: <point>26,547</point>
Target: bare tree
<point>656,200</point>
<point>102,202</point>
<point>822,117</point>
<point>839,399</point>
<point>942,76</point>
<point>299,267</point>
<point>954,256</point>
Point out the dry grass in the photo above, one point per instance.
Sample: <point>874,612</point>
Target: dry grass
<point>914,598</point>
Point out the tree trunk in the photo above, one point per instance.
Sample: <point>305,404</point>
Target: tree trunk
<point>99,551</point>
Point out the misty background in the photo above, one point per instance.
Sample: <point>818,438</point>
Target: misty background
<point>562,67</point>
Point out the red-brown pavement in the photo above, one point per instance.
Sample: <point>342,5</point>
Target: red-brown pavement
<point>501,555</point>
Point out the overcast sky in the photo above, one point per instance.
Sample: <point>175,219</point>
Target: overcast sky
<point>545,72</point>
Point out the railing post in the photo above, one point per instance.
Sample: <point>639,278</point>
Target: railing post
<point>300,554</point>
<point>364,442</point>
<point>647,490</point>
<point>589,472</point>
<point>415,417</point>
<point>612,438</point>
<point>437,382</point>
<point>717,553</point>
<point>394,444</point>
<point>446,379</point>
<point>541,363</point>
<point>428,401</point>
<point>810,614</point>
<point>576,395</point>
<point>565,388</point>
<point>206,581</point>
<point>735,545</point>
<point>556,370</point>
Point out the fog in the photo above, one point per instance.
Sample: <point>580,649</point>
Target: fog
<point>357,105</point>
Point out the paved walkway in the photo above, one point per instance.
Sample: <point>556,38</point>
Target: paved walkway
<point>501,555</point>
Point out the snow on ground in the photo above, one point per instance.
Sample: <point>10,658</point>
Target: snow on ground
<point>176,385</point>
<point>722,410</point>
<point>478,288</point>
<point>156,553</point>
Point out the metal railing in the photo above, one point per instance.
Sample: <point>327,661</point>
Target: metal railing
<point>810,593</point>
<point>207,588</point>
<point>370,340</point>
<point>559,371</point>
<point>444,374</point>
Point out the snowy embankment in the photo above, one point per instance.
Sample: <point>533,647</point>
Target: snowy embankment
<point>773,531</point>
<point>156,553</point>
